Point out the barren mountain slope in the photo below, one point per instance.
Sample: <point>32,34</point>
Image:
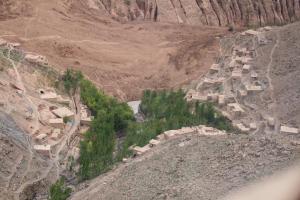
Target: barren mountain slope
<point>123,59</point>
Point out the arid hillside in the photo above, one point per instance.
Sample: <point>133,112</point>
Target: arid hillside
<point>122,59</point>
<point>205,12</point>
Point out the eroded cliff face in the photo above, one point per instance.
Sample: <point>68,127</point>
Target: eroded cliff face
<point>205,12</point>
<point>11,9</point>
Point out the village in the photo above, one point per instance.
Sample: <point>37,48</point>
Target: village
<point>50,116</point>
<point>229,85</point>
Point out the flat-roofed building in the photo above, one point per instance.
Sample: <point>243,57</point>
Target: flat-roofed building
<point>246,68</point>
<point>221,100</point>
<point>63,100</point>
<point>233,64</point>
<point>254,88</point>
<point>253,126</point>
<point>14,44</point>
<point>41,137</point>
<point>43,149</point>
<point>154,142</point>
<point>235,109</point>
<point>242,93</point>
<point>215,68</point>
<point>253,75</point>
<point>252,32</point>
<point>212,97</point>
<point>242,127</point>
<point>57,123</point>
<point>271,121</point>
<point>236,74</point>
<point>63,112</point>
<point>86,121</point>
<point>196,96</point>
<point>286,129</point>
<point>170,134</point>
<point>49,96</point>
<point>141,150</point>
<point>34,58</point>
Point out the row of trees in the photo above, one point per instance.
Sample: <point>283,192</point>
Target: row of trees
<point>110,116</point>
<point>169,110</point>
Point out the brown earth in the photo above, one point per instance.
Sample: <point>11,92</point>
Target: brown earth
<point>122,59</point>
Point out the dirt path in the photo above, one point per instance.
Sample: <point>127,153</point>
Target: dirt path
<point>270,66</point>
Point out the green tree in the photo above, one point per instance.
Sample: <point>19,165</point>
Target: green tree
<point>71,80</point>
<point>58,191</point>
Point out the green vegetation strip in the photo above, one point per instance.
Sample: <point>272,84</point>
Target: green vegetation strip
<point>163,110</point>
<point>168,110</point>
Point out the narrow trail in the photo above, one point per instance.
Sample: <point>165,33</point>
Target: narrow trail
<point>21,84</point>
<point>269,66</point>
<point>49,37</point>
<point>271,87</point>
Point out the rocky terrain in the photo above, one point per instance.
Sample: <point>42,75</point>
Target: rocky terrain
<point>205,12</point>
<point>194,167</point>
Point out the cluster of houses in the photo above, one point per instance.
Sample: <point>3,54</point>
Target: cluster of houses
<point>53,109</point>
<point>226,83</point>
<point>171,134</point>
<point>56,113</point>
<point>55,118</point>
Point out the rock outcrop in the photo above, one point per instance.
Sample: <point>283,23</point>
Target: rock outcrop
<point>206,12</point>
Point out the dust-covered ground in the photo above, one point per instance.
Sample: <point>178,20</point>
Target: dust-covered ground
<point>194,167</point>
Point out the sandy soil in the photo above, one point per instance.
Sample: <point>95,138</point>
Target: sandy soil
<point>122,59</point>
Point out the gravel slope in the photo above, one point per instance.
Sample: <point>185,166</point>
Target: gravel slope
<point>194,167</point>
